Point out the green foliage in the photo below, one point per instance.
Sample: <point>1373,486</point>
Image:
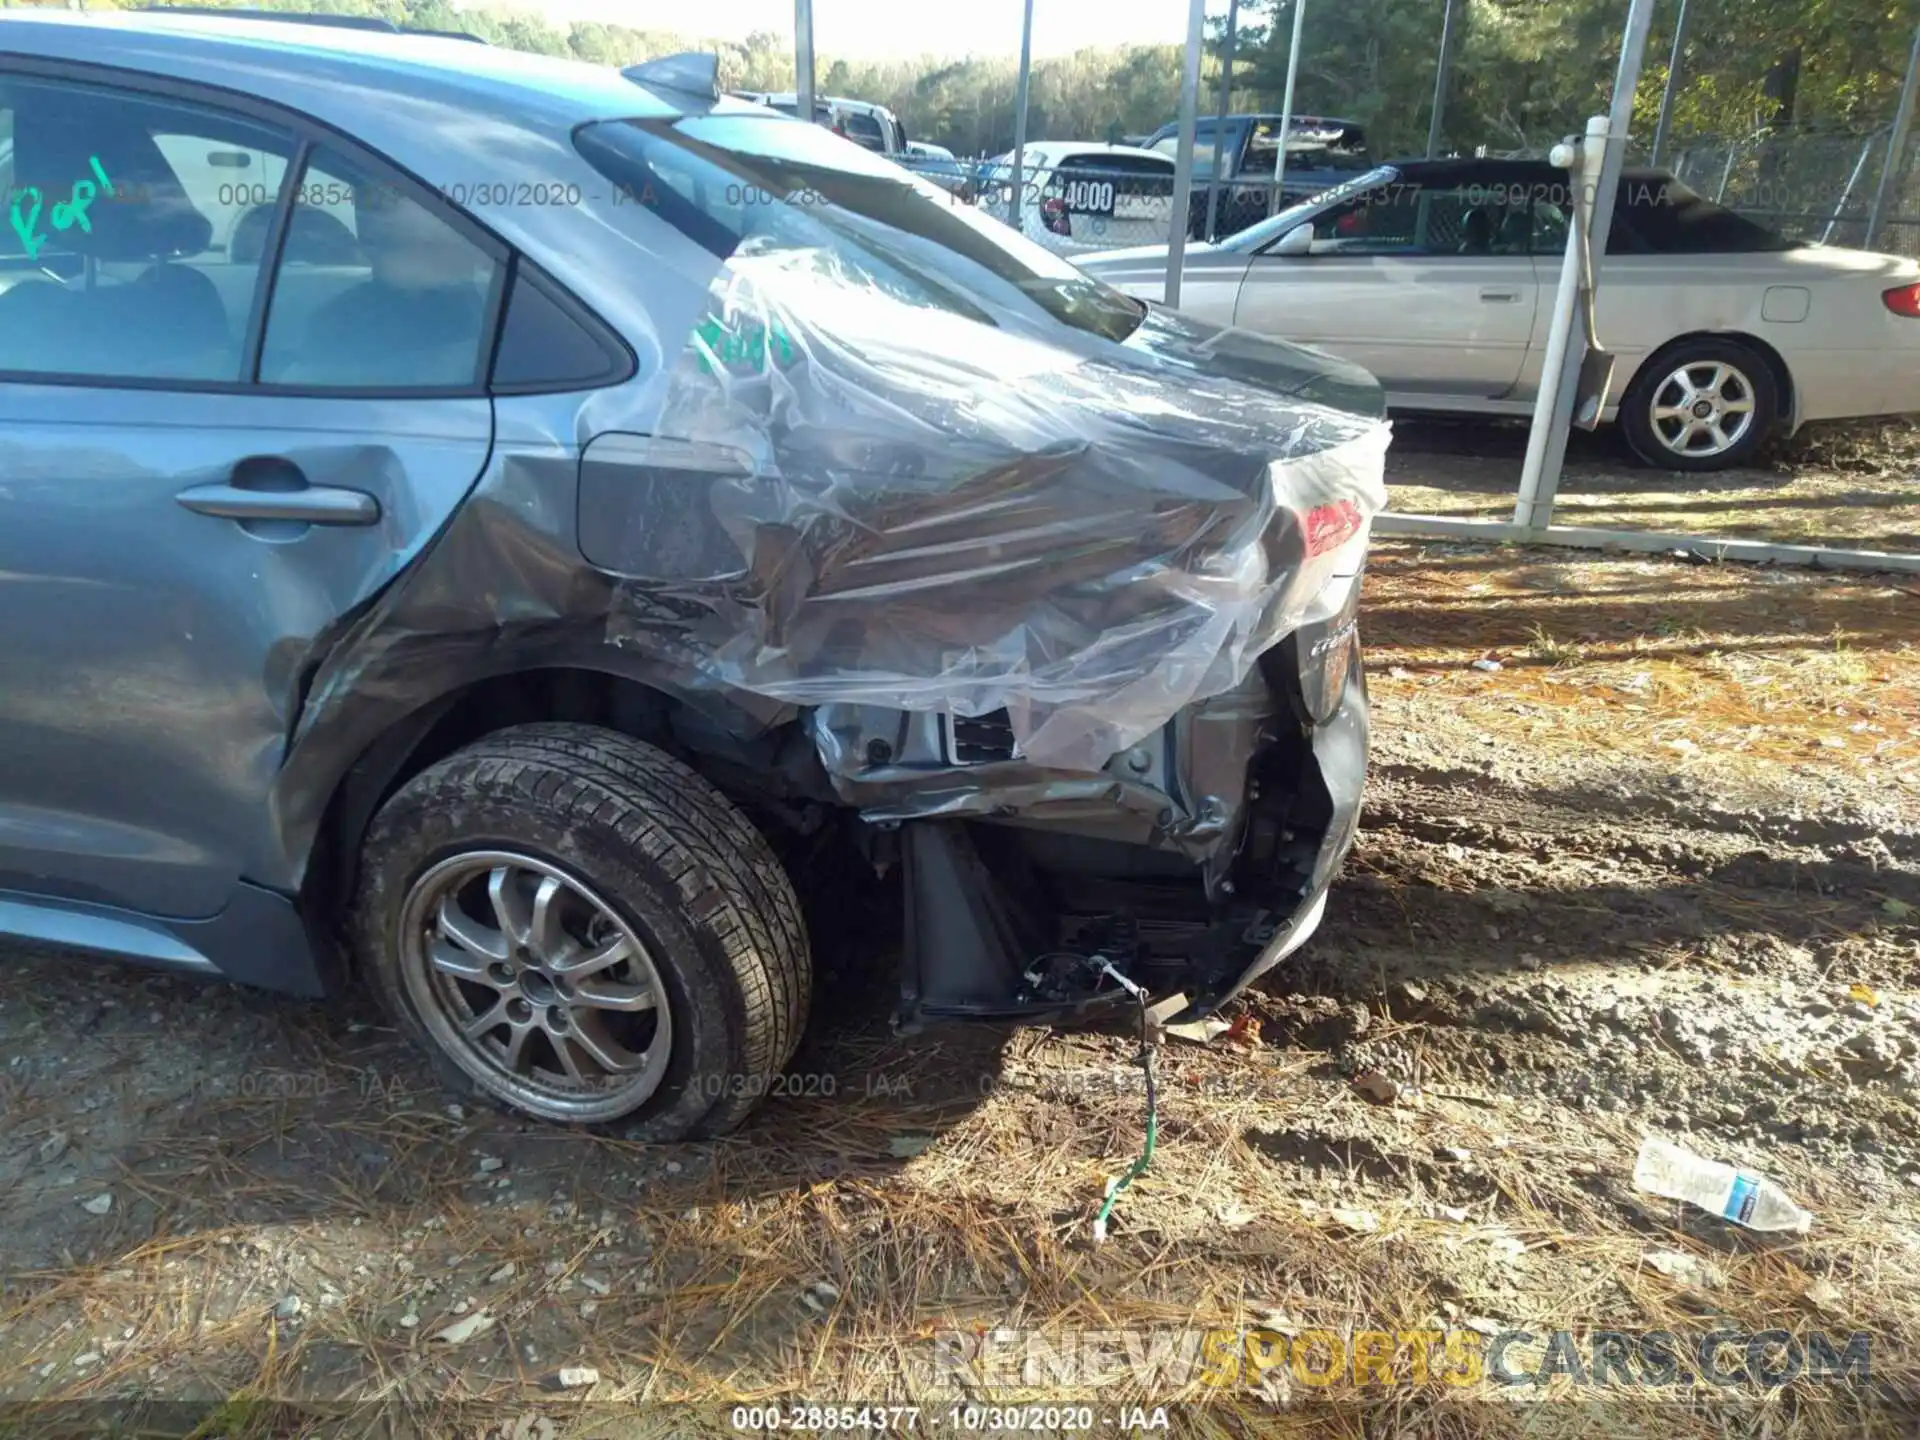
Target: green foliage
<point>1526,72</point>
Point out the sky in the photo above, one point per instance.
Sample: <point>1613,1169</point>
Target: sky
<point>881,29</point>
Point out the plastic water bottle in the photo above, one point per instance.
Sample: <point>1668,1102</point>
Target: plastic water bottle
<point>1737,1195</point>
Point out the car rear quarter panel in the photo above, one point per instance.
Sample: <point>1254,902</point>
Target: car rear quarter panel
<point>1854,356</point>
<point>1836,356</point>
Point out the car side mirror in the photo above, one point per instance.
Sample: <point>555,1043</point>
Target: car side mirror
<point>1297,241</point>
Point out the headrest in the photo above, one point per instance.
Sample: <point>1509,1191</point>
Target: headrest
<point>103,187</point>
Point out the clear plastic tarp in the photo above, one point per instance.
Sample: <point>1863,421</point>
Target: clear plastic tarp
<point>916,498</point>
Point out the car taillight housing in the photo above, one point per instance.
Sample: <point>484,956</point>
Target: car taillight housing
<point>1053,215</point>
<point>1904,301</point>
<point>1328,527</point>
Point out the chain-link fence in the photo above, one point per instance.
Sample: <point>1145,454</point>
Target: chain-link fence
<point>1102,200</point>
<point>1808,186</point>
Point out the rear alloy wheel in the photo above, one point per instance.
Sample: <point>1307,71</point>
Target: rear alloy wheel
<point>535,986</point>
<point>578,928</point>
<point>1706,405</point>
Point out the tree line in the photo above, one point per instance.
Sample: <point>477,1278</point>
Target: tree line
<point>1526,72</point>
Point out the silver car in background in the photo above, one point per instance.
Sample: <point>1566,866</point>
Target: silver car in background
<point>1438,276</point>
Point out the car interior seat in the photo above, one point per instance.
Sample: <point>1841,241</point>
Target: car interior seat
<point>1516,229</point>
<point>163,318</point>
<point>313,237</point>
<point>1476,231</point>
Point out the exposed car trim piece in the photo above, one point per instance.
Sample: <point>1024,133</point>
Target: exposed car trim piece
<point>257,939</point>
<point>87,927</point>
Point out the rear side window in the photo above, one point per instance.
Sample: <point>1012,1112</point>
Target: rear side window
<point>1119,165</point>
<point>1404,219</point>
<point>1125,186</point>
<point>124,255</point>
<point>549,343</point>
<point>1169,146</point>
<point>863,130</point>
<point>1661,216</point>
<point>375,291</point>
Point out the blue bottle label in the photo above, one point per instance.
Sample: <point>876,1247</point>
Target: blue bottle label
<point>1740,1203</point>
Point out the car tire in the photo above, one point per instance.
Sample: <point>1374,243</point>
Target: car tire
<point>552,878</point>
<point>1688,400</point>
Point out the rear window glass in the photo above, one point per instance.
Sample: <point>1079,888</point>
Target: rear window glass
<point>863,130</point>
<point>745,186</point>
<point>1661,216</point>
<point>1119,165</point>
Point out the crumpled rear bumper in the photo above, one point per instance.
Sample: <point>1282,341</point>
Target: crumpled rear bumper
<point>1340,758</point>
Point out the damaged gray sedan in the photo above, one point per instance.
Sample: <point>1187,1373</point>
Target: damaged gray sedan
<point>465,517</point>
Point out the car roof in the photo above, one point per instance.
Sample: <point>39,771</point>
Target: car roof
<point>203,47</point>
<point>1048,148</point>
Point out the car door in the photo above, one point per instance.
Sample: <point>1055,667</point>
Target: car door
<point>1430,287</point>
<point>202,476</point>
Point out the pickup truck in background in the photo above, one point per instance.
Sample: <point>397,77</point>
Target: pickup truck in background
<point>871,127</point>
<point>1321,152</point>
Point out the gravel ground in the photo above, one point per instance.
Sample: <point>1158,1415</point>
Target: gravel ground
<point>1562,929</point>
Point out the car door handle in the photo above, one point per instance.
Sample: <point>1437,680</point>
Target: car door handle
<point>1500,297</point>
<point>305,504</point>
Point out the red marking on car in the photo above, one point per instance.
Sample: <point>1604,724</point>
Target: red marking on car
<point>1330,526</point>
<point>1904,301</point>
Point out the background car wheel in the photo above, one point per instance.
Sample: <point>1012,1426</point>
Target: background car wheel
<point>1704,405</point>
<point>578,928</point>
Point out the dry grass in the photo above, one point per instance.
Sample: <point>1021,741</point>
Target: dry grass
<point>1278,1200</point>
<point>1235,1227</point>
<point>1854,485</point>
<point>984,1231</point>
<point>1727,670</point>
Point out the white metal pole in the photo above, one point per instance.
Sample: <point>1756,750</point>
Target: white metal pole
<point>1538,488</point>
<point>1894,170</point>
<point>1020,116</point>
<point>1286,107</point>
<point>1583,180</point>
<point>803,59</point>
<point>1183,150</point>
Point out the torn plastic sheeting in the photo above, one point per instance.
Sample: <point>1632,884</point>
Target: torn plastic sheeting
<point>901,506</point>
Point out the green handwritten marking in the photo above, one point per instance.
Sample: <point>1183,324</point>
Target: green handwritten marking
<point>29,241</point>
<point>743,350</point>
<point>66,213</point>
